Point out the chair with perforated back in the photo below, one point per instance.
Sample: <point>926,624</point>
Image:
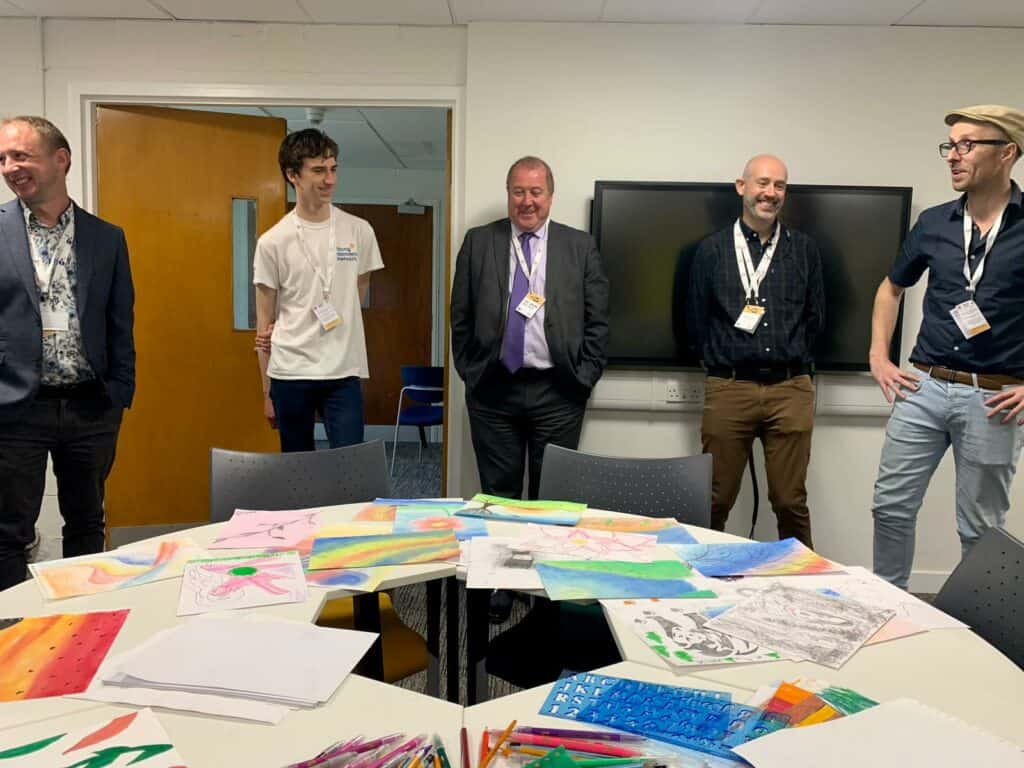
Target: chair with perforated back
<point>303,479</point>
<point>986,591</point>
<point>122,535</point>
<point>424,385</point>
<point>678,487</point>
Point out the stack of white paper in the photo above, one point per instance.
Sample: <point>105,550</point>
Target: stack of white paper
<point>266,660</point>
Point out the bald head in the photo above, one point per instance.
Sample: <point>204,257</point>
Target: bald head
<point>763,189</point>
<point>760,165</point>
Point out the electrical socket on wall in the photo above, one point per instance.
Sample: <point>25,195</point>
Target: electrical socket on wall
<point>684,392</point>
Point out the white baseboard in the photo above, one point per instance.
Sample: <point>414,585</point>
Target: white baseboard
<point>927,582</point>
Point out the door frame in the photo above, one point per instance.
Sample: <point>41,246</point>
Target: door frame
<point>84,95</point>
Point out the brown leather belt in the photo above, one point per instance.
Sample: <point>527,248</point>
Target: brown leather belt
<point>994,381</point>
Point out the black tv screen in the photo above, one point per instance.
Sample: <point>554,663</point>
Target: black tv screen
<point>648,232</point>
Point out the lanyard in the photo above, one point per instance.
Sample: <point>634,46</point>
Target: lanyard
<point>60,256</point>
<point>990,240</point>
<point>322,275</point>
<point>538,256</point>
<point>750,277</point>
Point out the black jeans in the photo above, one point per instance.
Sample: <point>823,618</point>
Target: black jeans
<point>81,436</point>
<point>297,402</point>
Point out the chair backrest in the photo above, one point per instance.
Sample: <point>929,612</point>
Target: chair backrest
<point>296,480</point>
<point>676,487</point>
<point>432,376</point>
<point>986,592</point>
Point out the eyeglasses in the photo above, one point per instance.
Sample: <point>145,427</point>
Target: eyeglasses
<point>964,146</point>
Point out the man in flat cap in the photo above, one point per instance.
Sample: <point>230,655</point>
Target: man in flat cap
<point>966,386</point>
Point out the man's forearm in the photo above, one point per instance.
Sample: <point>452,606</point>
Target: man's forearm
<point>883,318</point>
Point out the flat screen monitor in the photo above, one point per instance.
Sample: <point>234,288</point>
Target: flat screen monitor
<point>648,232</point>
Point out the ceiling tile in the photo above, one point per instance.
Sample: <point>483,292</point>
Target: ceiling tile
<point>956,13</point>
<point>422,12</point>
<point>467,11</point>
<point>236,10</point>
<point>6,9</point>
<point>864,12</point>
<point>678,11</point>
<point>93,9</point>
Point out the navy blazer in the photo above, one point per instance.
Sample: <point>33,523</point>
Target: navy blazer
<point>576,304</point>
<point>105,299</point>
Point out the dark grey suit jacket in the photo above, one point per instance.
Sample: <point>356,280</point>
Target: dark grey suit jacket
<point>576,304</point>
<point>105,299</point>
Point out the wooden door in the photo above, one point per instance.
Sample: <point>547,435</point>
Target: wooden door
<point>398,321</point>
<point>168,177</point>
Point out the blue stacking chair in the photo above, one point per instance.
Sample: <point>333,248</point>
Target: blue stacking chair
<point>424,386</point>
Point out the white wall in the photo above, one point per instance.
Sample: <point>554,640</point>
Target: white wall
<point>21,61</point>
<point>691,103</point>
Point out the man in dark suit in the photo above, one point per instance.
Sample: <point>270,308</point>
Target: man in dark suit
<point>67,357</point>
<point>529,319</point>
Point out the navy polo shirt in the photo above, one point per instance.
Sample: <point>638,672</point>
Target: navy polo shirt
<point>936,243</point>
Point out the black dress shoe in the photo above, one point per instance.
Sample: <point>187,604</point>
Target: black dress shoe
<point>500,606</point>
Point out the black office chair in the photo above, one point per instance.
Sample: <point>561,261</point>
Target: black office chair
<point>986,592</point>
<point>678,487</point>
<point>303,479</point>
<point>121,535</point>
<point>424,386</point>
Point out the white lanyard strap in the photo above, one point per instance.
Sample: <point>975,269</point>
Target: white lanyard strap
<point>59,257</point>
<point>323,275</point>
<point>750,277</point>
<point>538,254</point>
<point>990,240</point>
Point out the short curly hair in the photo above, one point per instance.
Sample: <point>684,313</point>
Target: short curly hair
<point>297,146</point>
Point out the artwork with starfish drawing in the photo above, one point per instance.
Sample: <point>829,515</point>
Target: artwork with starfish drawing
<point>227,583</point>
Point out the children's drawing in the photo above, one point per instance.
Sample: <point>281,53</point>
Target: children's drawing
<point>418,519</point>
<point>500,563</point>
<point>595,579</point>
<point>119,569</point>
<point>803,624</point>
<point>518,511</point>
<point>756,558</point>
<point>558,542</point>
<point>54,655</point>
<point>135,739</point>
<point>246,581</point>
<point>666,529</point>
<point>251,529</point>
<point>678,632</point>
<point>396,549</point>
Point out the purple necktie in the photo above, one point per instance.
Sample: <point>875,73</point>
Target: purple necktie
<point>515,326</point>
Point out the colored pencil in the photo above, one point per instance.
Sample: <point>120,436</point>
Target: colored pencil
<point>501,740</point>
<point>577,745</point>
<point>579,733</point>
<point>464,739</point>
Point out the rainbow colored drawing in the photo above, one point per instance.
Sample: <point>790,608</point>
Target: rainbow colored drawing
<point>416,520</point>
<point>369,551</point>
<point>756,558</point>
<point>518,511</point>
<point>54,655</point>
<point>119,569</point>
<point>610,579</point>
<point>666,529</point>
<point>136,738</point>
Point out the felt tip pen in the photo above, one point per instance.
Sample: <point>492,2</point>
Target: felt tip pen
<point>464,742</point>
<point>441,753</point>
<point>576,745</point>
<point>574,733</point>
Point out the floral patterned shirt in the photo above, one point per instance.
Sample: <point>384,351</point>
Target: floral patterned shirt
<point>64,360</point>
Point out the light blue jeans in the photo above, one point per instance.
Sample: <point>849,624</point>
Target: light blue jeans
<point>920,429</point>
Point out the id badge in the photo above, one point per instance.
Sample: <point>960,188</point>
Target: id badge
<point>969,319</point>
<point>54,320</point>
<point>530,304</point>
<point>327,315</point>
<point>750,318</point>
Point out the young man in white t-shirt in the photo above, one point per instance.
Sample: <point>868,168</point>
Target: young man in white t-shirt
<point>311,270</point>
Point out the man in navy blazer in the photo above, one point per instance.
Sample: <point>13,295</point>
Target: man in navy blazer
<point>67,356</point>
<point>529,319</point>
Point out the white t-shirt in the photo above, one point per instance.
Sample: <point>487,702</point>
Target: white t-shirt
<point>300,348</point>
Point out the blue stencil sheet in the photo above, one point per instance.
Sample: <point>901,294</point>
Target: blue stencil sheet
<point>707,721</point>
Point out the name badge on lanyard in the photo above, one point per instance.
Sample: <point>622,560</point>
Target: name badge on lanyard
<point>533,301</point>
<point>967,314</point>
<point>325,312</point>
<point>753,313</point>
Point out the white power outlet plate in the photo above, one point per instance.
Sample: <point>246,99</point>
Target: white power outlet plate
<point>673,392</point>
<point>684,392</point>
